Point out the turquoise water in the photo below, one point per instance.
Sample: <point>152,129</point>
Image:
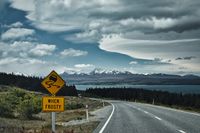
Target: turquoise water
<point>171,88</point>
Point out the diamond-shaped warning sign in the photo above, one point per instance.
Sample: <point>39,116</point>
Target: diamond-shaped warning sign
<point>53,83</point>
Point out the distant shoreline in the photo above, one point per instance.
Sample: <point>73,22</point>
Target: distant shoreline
<point>185,89</point>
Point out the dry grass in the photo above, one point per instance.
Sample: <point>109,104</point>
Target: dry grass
<point>42,123</point>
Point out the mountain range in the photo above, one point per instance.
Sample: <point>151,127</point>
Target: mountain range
<point>100,76</point>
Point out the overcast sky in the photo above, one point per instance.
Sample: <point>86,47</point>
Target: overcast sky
<point>140,36</point>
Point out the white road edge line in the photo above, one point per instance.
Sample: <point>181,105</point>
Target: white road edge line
<point>104,126</point>
<point>181,131</point>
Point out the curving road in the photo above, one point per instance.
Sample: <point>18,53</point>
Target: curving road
<point>129,117</point>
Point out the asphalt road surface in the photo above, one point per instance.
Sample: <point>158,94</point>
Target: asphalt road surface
<point>129,117</point>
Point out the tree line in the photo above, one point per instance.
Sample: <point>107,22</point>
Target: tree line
<point>189,101</point>
<point>33,83</point>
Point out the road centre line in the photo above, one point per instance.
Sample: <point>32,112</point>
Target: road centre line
<point>181,131</point>
<point>104,126</point>
<point>146,112</point>
<point>158,118</point>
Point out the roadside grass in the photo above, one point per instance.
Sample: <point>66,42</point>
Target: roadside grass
<point>41,122</point>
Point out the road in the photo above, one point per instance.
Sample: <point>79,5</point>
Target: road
<point>129,117</point>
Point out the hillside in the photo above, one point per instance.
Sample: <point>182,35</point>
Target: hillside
<point>21,112</point>
<point>33,84</point>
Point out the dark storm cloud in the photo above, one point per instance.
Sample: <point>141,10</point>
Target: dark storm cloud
<point>186,58</point>
<point>156,61</point>
<point>139,9</point>
<point>185,15</point>
<point>146,62</point>
<point>184,24</point>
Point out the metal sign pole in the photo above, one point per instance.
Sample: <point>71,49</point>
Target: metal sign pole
<point>53,118</point>
<point>87,114</point>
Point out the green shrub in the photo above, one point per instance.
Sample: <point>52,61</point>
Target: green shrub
<point>74,105</point>
<point>20,103</point>
<point>25,109</point>
<point>5,108</point>
<point>28,106</point>
<point>37,104</point>
<point>18,93</point>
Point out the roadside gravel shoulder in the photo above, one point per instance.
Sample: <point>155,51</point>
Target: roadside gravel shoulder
<point>97,115</point>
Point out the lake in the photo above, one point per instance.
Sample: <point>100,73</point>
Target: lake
<point>170,88</point>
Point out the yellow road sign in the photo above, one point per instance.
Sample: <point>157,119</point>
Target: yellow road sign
<point>53,104</point>
<point>53,82</point>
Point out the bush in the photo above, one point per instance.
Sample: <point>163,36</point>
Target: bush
<point>25,109</point>
<point>74,105</point>
<point>20,103</point>
<point>5,109</point>
<point>18,93</point>
<point>28,106</point>
<point>8,103</point>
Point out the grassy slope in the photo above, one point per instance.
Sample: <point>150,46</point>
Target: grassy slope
<point>42,120</point>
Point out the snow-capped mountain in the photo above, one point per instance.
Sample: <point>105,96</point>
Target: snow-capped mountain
<point>102,71</point>
<point>101,76</point>
<point>21,74</point>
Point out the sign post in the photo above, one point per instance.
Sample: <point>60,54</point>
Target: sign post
<point>53,83</point>
<point>53,121</point>
<point>87,114</point>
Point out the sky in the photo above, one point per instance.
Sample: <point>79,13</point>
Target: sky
<point>140,36</point>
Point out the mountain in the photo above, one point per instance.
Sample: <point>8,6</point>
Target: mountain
<point>100,76</point>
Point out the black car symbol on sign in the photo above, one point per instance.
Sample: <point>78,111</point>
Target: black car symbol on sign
<point>51,82</point>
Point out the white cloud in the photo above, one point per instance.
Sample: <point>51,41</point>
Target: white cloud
<point>26,49</point>
<point>133,62</point>
<point>22,46</point>
<point>153,23</point>
<point>14,33</point>
<point>55,27</point>
<point>62,15</point>
<point>84,37</point>
<point>73,52</point>
<point>169,69</point>
<point>154,49</point>
<point>18,57</point>
<point>57,16</point>
<point>16,25</point>
<point>43,49</point>
<point>25,5</point>
<point>13,25</point>
<point>150,49</point>
<point>82,66</point>
<point>30,66</point>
